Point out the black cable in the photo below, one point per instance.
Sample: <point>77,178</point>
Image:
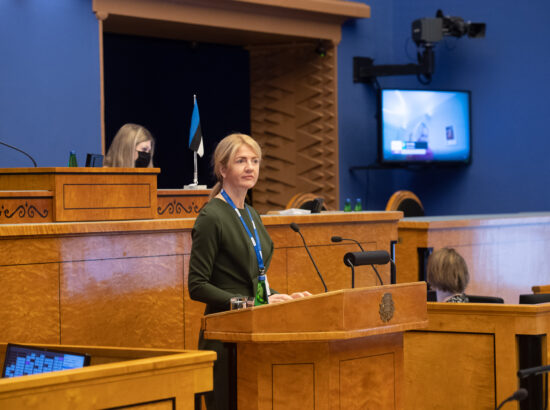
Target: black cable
<point>21,151</point>
<point>377,274</point>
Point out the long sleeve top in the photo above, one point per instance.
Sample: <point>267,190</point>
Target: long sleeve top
<point>223,262</point>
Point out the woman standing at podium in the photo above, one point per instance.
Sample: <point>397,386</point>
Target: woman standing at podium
<point>226,259</point>
<point>132,147</point>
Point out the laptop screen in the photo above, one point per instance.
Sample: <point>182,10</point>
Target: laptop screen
<point>24,360</point>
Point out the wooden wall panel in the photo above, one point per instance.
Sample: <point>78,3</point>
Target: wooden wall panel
<point>294,118</point>
<point>361,379</point>
<point>29,298</point>
<point>134,302</point>
<point>469,369</point>
<point>296,380</point>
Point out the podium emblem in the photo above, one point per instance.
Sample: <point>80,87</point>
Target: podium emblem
<point>387,308</point>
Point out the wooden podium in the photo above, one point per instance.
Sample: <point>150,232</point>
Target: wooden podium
<point>336,350</point>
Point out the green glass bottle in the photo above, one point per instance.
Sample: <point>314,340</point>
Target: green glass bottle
<point>358,205</point>
<point>72,159</point>
<point>347,206</point>
<point>261,293</point>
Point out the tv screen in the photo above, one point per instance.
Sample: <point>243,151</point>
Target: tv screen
<point>23,360</point>
<point>424,127</point>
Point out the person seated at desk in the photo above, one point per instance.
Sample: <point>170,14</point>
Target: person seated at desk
<point>133,146</point>
<point>448,275</point>
<point>231,248</point>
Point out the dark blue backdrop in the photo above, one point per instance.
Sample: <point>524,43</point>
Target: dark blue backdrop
<point>50,90</point>
<point>507,74</point>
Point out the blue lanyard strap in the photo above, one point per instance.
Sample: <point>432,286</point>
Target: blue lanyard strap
<point>255,243</point>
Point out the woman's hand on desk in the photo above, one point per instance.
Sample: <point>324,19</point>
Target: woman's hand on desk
<point>281,297</point>
<point>298,295</point>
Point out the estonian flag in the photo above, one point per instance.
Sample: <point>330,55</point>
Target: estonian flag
<point>195,133</point>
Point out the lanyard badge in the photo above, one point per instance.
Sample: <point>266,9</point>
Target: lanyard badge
<point>255,240</point>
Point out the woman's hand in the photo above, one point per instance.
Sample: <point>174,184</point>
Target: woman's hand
<point>298,295</point>
<point>279,297</point>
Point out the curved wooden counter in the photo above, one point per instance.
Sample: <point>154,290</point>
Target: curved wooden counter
<point>506,253</point>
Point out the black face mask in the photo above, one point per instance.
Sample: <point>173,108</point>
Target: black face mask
<point>143,159</point>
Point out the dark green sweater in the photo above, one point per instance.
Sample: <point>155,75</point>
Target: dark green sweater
<point>223,263</point>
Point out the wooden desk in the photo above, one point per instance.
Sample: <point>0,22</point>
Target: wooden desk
<point>116,377</point>
<point>506,254</point>
<point>124,283</point>
<point>350,357</point>
<point>467,357</point>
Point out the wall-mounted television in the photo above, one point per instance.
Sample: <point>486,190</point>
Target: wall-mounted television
<point>424,127</point>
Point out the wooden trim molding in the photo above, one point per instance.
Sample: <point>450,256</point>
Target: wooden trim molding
<point>317,19</point>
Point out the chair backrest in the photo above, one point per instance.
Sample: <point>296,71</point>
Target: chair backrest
<point>541,289</point>
<point>305,200</point>
<point>534,298</point>
<point>407,202</point>
<point>484,299</point>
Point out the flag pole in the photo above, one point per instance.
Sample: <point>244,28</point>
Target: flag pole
<point>195,171</point>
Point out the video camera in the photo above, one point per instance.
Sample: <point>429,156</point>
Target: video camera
<point>427,31</point>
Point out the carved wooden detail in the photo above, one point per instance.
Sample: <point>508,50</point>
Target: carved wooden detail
<point>293,117</point>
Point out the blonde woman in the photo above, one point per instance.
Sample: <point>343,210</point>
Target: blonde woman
<point>225,260</point>
<point>133,146</point>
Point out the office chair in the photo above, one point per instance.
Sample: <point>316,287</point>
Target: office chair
<point>407,202</point>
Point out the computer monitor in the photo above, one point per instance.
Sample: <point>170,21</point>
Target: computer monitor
<point>23,360</point>
<point>534,298</point>
<point>421,127</point>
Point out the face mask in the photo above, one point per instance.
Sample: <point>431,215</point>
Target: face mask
<point>143,159</point>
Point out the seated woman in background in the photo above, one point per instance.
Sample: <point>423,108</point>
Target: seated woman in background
<point>448,275</point>
<point>133,146</point>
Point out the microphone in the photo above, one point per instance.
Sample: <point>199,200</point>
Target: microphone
<point>518,395</point>
<point>296,228</point>
<point>366,258</point>
<point>21,151</point>
<point>340,239</point>
<point>523,373</point>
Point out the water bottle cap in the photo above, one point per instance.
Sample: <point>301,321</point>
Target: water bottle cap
<point>348,200</point>
<point>358,199</point>
<point>73,152</point>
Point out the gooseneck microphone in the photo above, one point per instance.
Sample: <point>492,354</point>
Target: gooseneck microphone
<point>518,395</point>
<point>21,151</point>
<point>296,228</point>
<point>340,239</point>
<point>523,373</point>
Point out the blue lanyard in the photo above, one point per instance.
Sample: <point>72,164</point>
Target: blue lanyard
<point>255,243</point>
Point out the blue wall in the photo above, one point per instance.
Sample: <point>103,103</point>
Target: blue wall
<point>50,97</point>
<point>49,81</point>
<point>507,74</point>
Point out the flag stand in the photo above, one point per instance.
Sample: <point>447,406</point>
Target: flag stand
<point>195,184</point>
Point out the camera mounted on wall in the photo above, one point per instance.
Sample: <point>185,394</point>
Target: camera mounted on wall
<point>426,32</point>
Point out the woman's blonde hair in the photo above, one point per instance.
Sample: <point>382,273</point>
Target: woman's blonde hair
<point>225,153</point>
<point>447,271</point>
<point>122,149</point>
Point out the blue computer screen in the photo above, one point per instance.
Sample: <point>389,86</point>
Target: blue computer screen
<point>425,126</point>
<point>25,360</point>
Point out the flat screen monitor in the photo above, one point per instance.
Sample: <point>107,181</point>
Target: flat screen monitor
<point>424,127</point>
<point>23,360</point>
<point>534,298</point>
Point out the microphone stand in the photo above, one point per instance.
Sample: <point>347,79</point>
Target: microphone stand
<point>296,228</point>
